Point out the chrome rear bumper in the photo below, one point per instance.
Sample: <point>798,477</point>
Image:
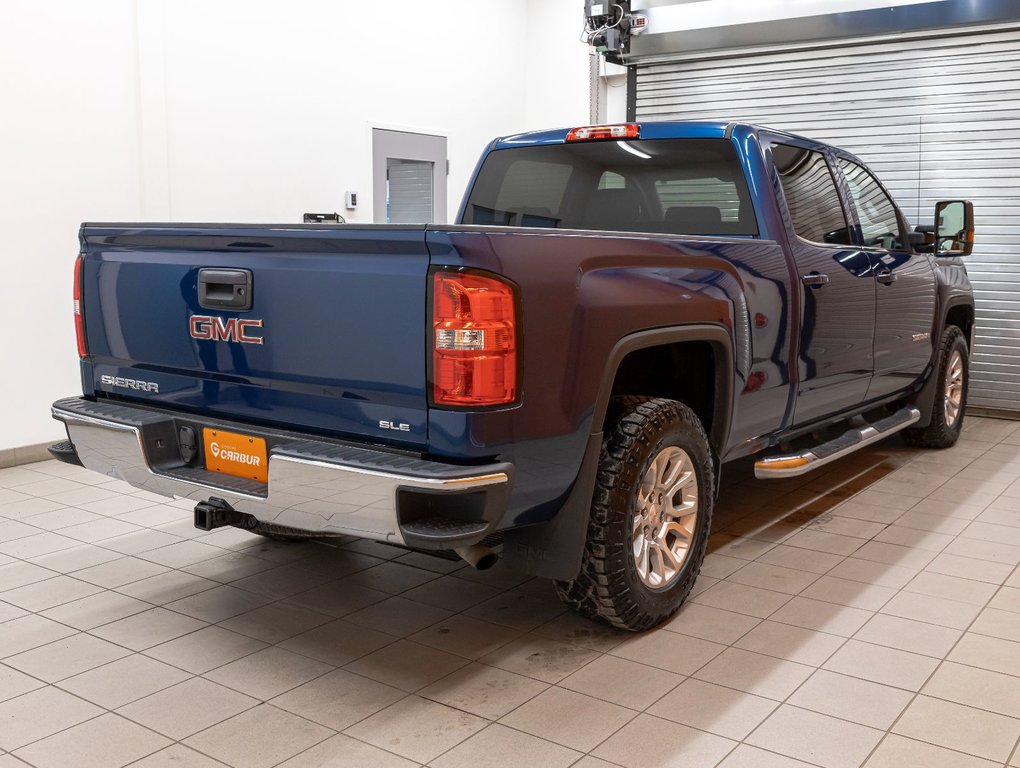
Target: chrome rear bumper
<point>318,487</point>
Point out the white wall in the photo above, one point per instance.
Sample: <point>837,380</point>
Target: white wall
<point>69,150</point>
<point>556,64</point>
<point>268,110</point>
<point>243,110</point>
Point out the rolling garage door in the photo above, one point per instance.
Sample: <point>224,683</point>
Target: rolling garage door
<point>936,118</point>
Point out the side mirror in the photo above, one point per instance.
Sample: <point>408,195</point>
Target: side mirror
<point>921,237</point>
<point>954,228</point>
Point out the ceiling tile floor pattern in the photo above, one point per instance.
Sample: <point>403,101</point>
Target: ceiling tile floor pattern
<point>868,614</point>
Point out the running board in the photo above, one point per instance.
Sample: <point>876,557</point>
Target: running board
<point>793,464</point>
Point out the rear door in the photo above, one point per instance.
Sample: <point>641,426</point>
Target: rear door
<point>837,325</point>
<point>905,284</point>
<point>333,340</point>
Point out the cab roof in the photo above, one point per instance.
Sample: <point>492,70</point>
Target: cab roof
<point>653,129</point>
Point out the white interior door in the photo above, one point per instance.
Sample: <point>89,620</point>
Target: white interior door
<point>408,177</point>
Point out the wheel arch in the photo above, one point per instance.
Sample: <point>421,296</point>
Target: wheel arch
<point>674,343</point>
<point>961,314</point>
<point>554,549</point>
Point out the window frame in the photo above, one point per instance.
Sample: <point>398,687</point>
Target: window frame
<point>852,204</point>
<point>838,182</point>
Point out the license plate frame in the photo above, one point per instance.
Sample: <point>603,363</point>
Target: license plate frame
<point>236,454</point>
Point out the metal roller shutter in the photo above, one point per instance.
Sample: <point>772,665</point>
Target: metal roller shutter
<point>936,118</point>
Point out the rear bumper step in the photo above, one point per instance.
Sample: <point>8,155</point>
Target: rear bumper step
<point>802,462</point>
<point>316,487</point>
<point>64,451</point>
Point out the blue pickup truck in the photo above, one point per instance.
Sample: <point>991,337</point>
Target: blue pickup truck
<point>556,380</point>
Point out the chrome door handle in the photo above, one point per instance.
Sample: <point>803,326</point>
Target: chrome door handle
<point>886,278</point>
<point>814,279</point>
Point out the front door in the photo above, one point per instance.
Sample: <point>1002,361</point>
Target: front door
<point>905,285</point>
<point>837,328</point>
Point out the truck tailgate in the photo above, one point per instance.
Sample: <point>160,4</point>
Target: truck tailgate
<point>333,342</point>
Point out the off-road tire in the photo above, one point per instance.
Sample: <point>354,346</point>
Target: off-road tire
<point>608,588</point>
<point>939,434</point>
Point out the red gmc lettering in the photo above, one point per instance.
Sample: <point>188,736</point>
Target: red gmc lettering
<point>200,328</point>
<point>223,329</point>
<point>242,331</point>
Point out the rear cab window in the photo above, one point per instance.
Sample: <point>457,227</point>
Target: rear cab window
<point>674,186</point>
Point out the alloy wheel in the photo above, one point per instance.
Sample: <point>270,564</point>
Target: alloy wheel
<point>665,518</point>
<point>953,388</point>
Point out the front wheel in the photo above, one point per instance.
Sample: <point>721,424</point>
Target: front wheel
<point>650,516</point>
<point>950,403</point>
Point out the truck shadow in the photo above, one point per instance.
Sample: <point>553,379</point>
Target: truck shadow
<point>802,579</point>
<point>795,569</point>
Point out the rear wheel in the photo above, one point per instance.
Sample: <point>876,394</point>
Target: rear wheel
<point>650,516</point>
<point>950,404</point>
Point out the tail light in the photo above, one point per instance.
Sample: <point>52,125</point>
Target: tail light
<point>79,321</point>
<point>474,325</point>
<point>603,132</point>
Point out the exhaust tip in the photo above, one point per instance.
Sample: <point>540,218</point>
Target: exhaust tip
<point>486,561</point>
<point>480,557</point>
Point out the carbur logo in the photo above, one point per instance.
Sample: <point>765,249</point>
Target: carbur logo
<point>223,329</point>
<point>231,455</point>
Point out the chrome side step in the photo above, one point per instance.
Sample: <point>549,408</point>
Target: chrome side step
<point>793,464</point>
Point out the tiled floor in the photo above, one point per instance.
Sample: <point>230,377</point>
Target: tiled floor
<point>869,615</point>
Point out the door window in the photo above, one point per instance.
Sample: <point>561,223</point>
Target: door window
<point>720,198</point>
<point>880,226</point>
<point>811,195</point>
<point>613,180</point>
<point>408,191</point>
<point>534,191</point>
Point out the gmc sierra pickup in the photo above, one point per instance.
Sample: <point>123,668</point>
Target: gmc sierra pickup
<point>556,379</point>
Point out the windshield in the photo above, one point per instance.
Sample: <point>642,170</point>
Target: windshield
<point>679,186</point>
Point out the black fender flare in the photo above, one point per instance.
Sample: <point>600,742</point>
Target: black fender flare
<point>953,303</point>
<point>721,340</point>
<point>554,550</point>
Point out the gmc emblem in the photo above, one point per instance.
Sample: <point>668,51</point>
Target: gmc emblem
<point>223,329</point>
